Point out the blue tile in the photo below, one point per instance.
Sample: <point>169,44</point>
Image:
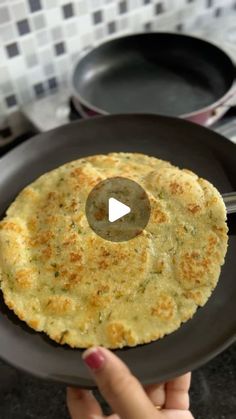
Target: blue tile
<point>123,7</point>
<point>52,83</point>
<point>68,10</point>
<point>159,8</point>
<point>12,50</point>
<point>179,27</point>
<point>111,27</point>
<point>35,5</point>
<point>97,17</point>
<point>23,27</point>
<point>209,3</point>
<point>60,48</point>
<point>218,12</point>
<point>148,26</point>
<point>39,89</point>
<point>11,101</point>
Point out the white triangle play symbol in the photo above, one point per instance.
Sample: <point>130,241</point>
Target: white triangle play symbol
<point>116,209</point>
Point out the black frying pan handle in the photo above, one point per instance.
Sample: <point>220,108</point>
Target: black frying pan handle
<point>230,202</point>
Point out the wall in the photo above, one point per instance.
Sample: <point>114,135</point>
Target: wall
<point>40,40</point>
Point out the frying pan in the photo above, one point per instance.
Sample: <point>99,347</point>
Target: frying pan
<point>161,73</point>
<point>185,144</point>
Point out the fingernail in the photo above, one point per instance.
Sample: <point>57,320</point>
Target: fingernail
<point>93,358</point>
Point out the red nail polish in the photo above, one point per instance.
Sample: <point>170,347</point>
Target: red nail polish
<point>93,358</point>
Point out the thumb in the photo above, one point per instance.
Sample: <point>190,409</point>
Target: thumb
<point>118,386</point>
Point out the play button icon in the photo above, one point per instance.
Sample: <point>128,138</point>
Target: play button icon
<point>117,209</point>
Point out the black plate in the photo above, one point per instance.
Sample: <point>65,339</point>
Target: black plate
<point>212,328</point>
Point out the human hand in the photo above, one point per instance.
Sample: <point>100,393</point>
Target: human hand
<point>124,393</point>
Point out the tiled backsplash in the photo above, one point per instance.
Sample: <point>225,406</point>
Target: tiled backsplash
<point>40,40</point>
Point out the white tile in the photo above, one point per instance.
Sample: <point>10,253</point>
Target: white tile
<point>110,13</point>
<point>223,3</point>
<point>134,4</point>
<point>74,58</point>
<point>39,21</point>
<point>8,33</point>
<point>49,69</point>
<point>85,24</point>
<point>86,40</point>
<point>46,55</point>
<point>49,4</point>
<point>4,74</point>
<point>42,38</point>
<point>28,45</point>
<point>35,75</point>
<point>99,33</point>
<point>62,68</point>
<point>3,55</point>
<point>123,23</point>
<point>17,67</point>
<point>95,4</point>
<point>4,14</point>
<point>74,45</point>
<point>71,28</point>
<point>54,16</point>
<point>168,20</point>
<point>25,96</point>
<point>81,7</point>
<point>6,88</point>
<point>19,10</point>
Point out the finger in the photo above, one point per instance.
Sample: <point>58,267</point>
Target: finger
<point>156,393</point>
<point>82,404</point>
<point>176,414</point>
<point>118,386</point>
<point>114,416</point>
<point>177,396</point>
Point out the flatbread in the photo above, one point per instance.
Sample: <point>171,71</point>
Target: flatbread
<point>61,278</point>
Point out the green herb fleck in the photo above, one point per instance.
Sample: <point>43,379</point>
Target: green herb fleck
<point>56,274</point>
<point>143,286</point>
<point>100,318</point>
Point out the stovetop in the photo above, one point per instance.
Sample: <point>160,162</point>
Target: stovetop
<point>58,109</point>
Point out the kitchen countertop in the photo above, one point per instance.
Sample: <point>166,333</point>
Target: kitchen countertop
<point>213,392</point>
